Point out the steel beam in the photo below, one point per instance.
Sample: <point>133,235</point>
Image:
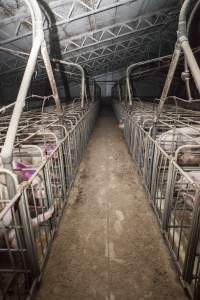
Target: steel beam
<point>106,35</point>
<point>119,48</point>
<point>89,57</point>
<point>110,39</point>
<point>74,12</point>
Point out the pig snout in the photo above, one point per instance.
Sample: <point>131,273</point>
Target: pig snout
<point>189,159</point>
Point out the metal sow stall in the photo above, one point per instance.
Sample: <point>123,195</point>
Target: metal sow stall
<point>174,195</point>
<point>30,218</point>
<point>40,154</point>
<point>164,143</point>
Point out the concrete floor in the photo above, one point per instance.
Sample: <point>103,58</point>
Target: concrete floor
<point>109,245</point>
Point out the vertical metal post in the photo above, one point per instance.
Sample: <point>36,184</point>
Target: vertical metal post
<point>187,80</point>
<point>128,86</point>
<point>83,80</point>
<point>170,75</point>
<point>130,69</point>
<point>50,75</point>
<point>94,91</point>
<point>168,195</point>
<point>184,42</point>
<point>6,152</point>
<point>193,241</point>
<point>119,91</point>
<point>25,217</point>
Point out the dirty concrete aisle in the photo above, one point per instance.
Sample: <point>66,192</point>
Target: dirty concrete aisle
<point>108,245</point>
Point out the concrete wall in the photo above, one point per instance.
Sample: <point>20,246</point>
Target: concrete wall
<point>107,81</point>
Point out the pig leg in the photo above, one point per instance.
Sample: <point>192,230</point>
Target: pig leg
<point>12,239</point>
<point>43,217</point>
<point>7,219</point>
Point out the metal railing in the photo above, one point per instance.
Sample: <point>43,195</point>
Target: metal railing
<point>44,167</point>
<point>173,190</point>
<point>41,153</point>
<point>38,44</point>
<point>182,44</point>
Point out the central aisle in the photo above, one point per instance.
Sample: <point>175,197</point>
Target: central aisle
<point>109,245</point>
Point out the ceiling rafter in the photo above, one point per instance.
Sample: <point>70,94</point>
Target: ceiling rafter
<point>121,46</point>
<point>70,8</point>
<point>113,51</point>
<point>98,50</point>
<point>125,35</point>
<point>108,34</point>
<point>107,65</point>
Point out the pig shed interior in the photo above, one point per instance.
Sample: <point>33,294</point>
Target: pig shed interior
<point>100,149</point>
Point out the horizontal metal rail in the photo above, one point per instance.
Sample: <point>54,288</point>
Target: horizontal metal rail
<point>48,159</point>
<point>38,43</point>
<point>83,79</point>
<point>173,189</point>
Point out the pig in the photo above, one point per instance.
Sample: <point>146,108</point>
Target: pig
<point>36,194</point>
<point>188,158</point>
<point>32,156</point>
<point>140,118</point>
<point>11,233</point>
<point>24,172</point>
<point>186,189</point>
<point>137,117</point>
<point>194,175</point>
<point>172,139</point>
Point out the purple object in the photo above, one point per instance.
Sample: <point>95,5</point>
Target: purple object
<point>22,167</point>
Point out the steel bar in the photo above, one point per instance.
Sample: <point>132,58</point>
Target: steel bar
<point>68,20</point>
<point>38,36</point>
<point>184,43</point>
<point>170,75</point>
<point>49,70</point>
<point>83,80</point>
<point>57,171</point>
<point>26,54</point>
<point>6,152</point>
<point>108,34</point>
<point>135,65</point>
<point>173,190</point>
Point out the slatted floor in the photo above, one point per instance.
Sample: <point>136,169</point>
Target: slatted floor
<point>109,245</point>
